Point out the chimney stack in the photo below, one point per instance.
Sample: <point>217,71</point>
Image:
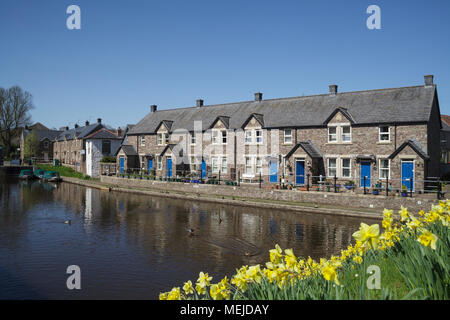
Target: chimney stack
<point>99,120</point>
<point>67,128</point>
<point>333,89</point>
<point>199,103</point>
<point>87,123</point>
<point>428,80</point>
<point>76,125</point>
<point>119,132</point>
<point>258,96</point>
<point>153,108</point>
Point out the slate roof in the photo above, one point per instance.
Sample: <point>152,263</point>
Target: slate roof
<point>308,147</point>
<point>103,134</point>
<point>415,145</point>
<point>397,105</point>
<point>80,132</point>
<point>44,134</point>
<point>128,150</point>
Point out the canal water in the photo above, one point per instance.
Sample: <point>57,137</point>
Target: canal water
<point>135,246</point>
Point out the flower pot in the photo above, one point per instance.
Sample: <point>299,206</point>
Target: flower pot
<point>375,192</point>
<point>404,194</point>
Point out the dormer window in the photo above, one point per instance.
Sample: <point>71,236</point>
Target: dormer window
<point>346,135</point>
<point>259,138</point>
<point>384,134</point>
<point>162,139</point>
<point>332,134</point>
<point>248,136</point>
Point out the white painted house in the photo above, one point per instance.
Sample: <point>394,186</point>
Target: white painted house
<point>98,145</point>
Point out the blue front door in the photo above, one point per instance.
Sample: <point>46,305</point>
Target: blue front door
<point>122,164</point>
<point>169,167</point>
<point>150,165</point>
<point>365,172</point>
<point>203,167</point>
<point>408,174</point>
<point>300,172</point>
<point>273,171</point>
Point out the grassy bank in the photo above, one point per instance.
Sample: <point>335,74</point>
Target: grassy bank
<point>409,260</point>
<point>63,171</point>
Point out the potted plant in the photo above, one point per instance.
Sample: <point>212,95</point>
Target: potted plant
<point>349,185</point>
<point>376,189</point>
<point>404,190</point>
<point>328,186</point>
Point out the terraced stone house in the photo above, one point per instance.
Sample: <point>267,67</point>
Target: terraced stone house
<point>81,148</point>
<point>364,136</point>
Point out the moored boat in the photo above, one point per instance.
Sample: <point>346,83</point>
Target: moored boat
<point>26,174</point>
<point>39,173</point>
<point>51,176</point>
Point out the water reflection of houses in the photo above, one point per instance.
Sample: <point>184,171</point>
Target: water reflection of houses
<point>223,233</point>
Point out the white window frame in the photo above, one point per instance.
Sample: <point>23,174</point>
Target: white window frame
<point>215,164</point>
<point>260,137</point>
<point>251,171</point>
<point>142,141</point>
<point>349,168</point>
<point>166,138</point>
<point>384,133</point>
<point>248,136</point>
<point>383,169</point>
<point>160,139</point>
<point>215,137</point>
<point>224,165</point>
<point>335,134</point>
<point>349,134</point>
<point>285,136</point>
<point>193,139</point>
<point>258,165</point>
<point>329,167</point>
<point>223,136</point>
<point>159,163</point>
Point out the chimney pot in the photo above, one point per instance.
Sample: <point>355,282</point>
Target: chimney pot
<point>67,128</point>
<point>99,120</point>
<point>258,96</point>
<point>333,88</point>
<point>153,108</point>
<point>76,125</point>
<point>119,132</point>
<point>87,123</point>
<point>199,103</point>
<point>429,80</point>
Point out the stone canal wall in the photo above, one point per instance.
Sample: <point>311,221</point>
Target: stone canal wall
<point>341,200</point>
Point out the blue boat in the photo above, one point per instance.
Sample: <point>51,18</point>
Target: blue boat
<point>39,173</point>
<point>51,176</point>
<point>26,174</point>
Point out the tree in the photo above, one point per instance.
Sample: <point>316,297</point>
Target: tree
<point>31,146</point>
<point>15,105</point>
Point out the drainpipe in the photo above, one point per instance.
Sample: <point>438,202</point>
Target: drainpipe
<point>235,153</point>
<point>395,137</point>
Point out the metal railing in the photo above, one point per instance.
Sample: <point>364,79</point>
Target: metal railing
<point>406,187</point>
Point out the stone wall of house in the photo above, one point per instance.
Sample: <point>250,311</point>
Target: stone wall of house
<point>68,152</point>
<point>364,141</point>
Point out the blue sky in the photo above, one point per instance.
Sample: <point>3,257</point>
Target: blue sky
<point>131,54</point>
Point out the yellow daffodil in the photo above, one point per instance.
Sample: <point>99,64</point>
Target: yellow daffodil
<point>368,234</point>
<point>275,254</point>
<point>404,215</point>
<point>163,296</point>
<point>329,273</point>
<point>428,239</point>
<point>174,294</point>
<point>204,279</point>
<point>188,288</point>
